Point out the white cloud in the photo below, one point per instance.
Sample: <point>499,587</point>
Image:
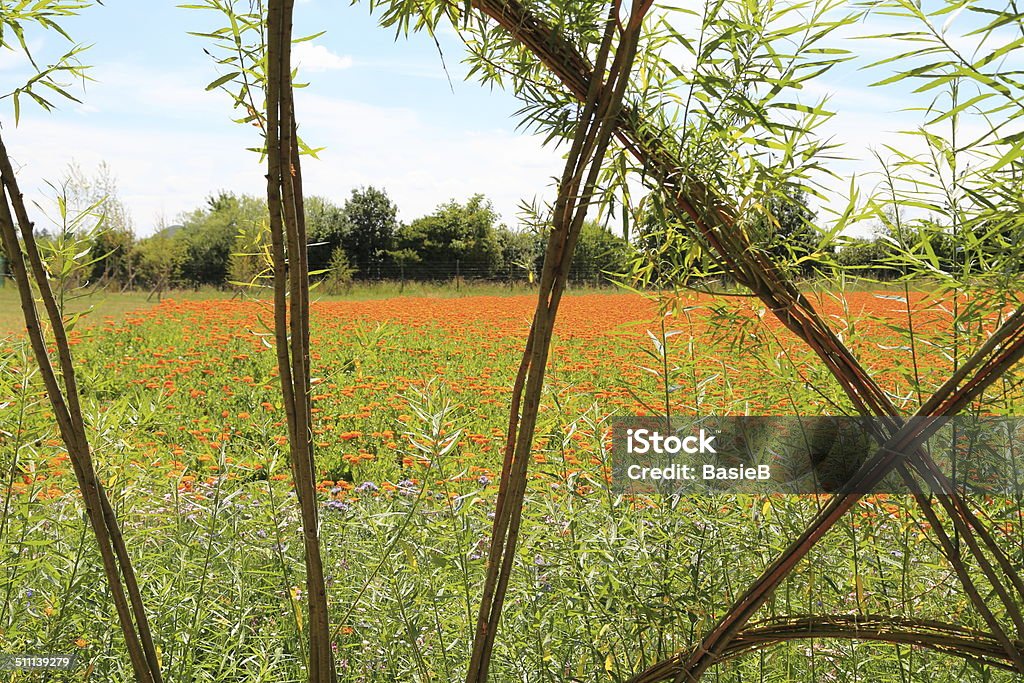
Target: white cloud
<point>312,57</point>
<point>170,145</point>
<point>159,174</point>
<point>418,163</point>
<point>11,59</point>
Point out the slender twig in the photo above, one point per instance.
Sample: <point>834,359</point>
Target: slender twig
<point>576,188</point>
<point>711,219</point>
<point>950,639</point>
<point>64,400</point>
<point>291,319</point>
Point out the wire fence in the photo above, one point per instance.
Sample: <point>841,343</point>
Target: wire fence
<point>513,278</point>
<point>445,272</point>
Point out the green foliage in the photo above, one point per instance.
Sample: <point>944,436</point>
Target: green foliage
<point>68,254</point>
<point>325,226</point>
<point>227,241</point>
<point>111,226</point>
<point>870,258</point>
<point>784,228</point>
<point>369,223</point>
<point>209,236</point>
<point>17,19</point>
<point>158,260</point>
<point>966,190</point>
<point>251,264</point>
<point>519,251</point>
<point>338,278</point>
<point>600,255</point>
<point>239,48</point>
<point>403,258</point>
<point>112,251</point>
<point>722,97</point>
<point>454,238</point>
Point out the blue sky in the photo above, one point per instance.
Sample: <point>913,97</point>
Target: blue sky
<point>384,109</point>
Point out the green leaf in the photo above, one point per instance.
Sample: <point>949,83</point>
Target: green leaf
<point>310,37</point>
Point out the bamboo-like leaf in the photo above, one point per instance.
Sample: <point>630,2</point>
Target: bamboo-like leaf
<point>222,80</point>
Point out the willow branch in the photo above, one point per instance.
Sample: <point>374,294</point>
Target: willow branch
<point>64,400</point>
<point>291,320</point>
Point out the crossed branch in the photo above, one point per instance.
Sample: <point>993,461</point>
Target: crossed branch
<point>713,221</point>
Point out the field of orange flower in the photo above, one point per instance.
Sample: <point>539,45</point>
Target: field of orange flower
<point>411,404</point>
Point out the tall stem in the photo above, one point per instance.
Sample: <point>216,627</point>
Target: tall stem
<point>291,319</point>
<point>117,566</point>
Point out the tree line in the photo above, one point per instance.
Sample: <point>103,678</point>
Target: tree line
<point>225,242</point>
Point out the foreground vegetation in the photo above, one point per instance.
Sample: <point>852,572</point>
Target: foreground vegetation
<point>404,407</point>
<point>410,403</point>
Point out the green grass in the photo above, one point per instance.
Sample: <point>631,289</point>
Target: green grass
<point>185,422</point>
<point>99,304</point>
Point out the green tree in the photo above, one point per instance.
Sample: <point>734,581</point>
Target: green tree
<point>338,278</point>
<point>109,221</point>
<point>911,248</point>
<point>112,249</point>
<point>209,236</point>
<point>402,259</point>
<point>785,229</point>
<point>370,222</point>
<point>455,238</point>
<point>158,259</point>
<point>325,226</point>
<point>871,258</point>
<point>600,254</point>
<point>519,252</point>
